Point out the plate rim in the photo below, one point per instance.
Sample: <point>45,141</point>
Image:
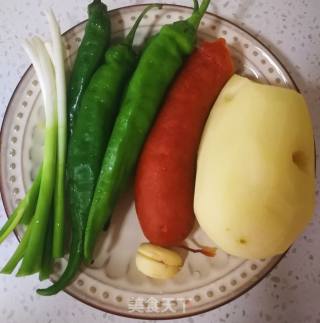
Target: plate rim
<point>145,316</point>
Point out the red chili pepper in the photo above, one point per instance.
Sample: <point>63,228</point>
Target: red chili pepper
<point>164,186</point>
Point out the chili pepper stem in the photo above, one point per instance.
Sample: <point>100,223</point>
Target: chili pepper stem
<point>198,13</point>
<point>94,5</point>
<point>207,251</point>
<point>130,37</point>
<point>195,5</point>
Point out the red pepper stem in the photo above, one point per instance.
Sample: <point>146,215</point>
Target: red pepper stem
<point>207,251</point>
<point>130,37</point>
<point>198,14</point>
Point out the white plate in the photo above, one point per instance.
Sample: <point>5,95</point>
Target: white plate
<point>114,284</point>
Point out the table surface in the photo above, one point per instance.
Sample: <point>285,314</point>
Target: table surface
<point>291,29</point>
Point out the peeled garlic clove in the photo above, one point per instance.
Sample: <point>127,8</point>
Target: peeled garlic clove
<point>157,262</point>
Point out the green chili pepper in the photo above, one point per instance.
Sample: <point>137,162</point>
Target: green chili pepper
<point>92,129</point>
<point>160,61</point>
<point>90,55</point>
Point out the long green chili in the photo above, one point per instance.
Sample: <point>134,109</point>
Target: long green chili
<point>160,61</point>
<point>98,110</point>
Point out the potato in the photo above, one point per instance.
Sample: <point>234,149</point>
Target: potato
<point>255,182</point>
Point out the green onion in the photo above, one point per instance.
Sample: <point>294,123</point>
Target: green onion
<point>47,259</point>
<point>45,72</point>
<point>23,212</point>
<point>18,254</point>
<point>57,56</point>
<point>42,209</point>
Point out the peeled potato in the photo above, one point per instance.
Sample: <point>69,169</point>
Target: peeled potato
<point>255,182</point>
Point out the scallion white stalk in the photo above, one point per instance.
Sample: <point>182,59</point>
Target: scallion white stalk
<point>45,73</point>
<point>58,59</point>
